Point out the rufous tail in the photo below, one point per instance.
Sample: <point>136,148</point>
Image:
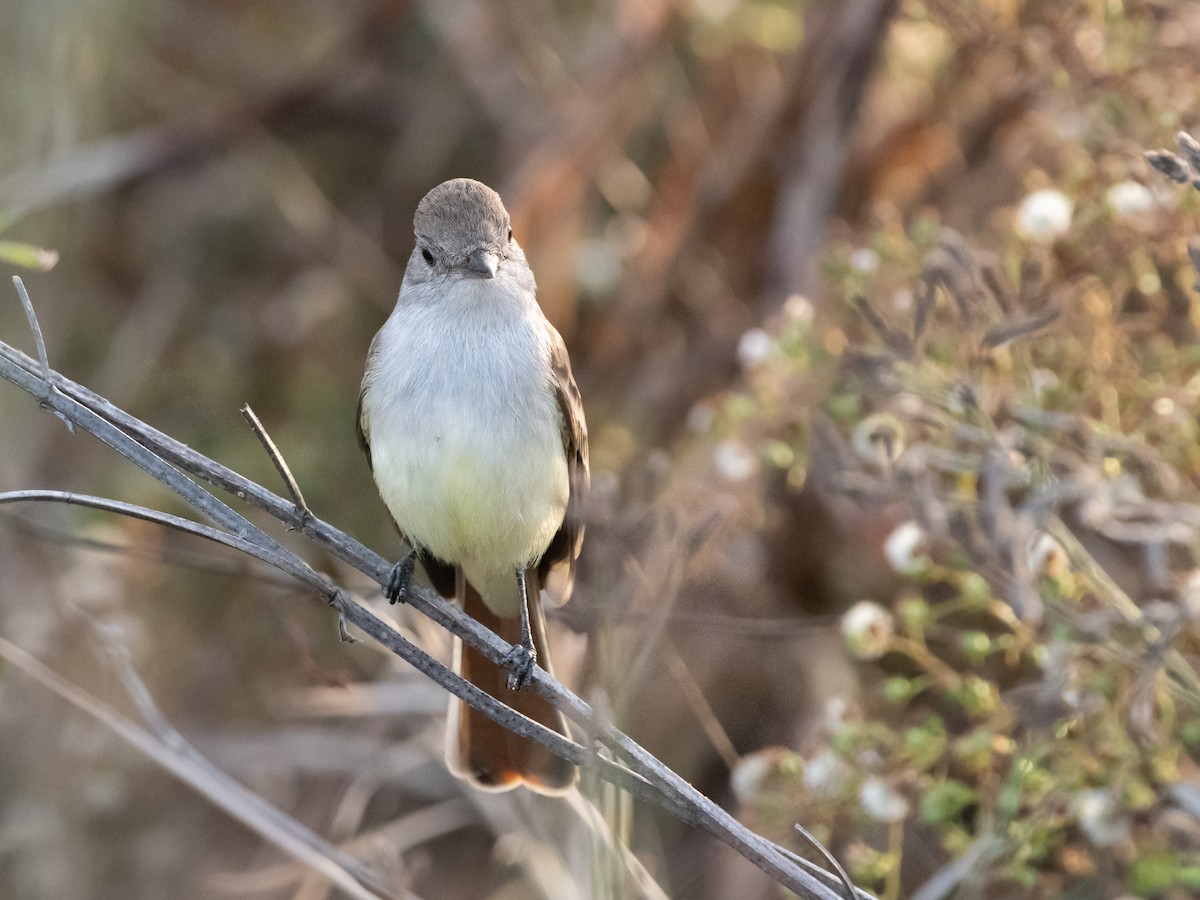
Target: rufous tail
<point>483,751</point>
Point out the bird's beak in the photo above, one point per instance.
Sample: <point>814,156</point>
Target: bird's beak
<point>483,262</point>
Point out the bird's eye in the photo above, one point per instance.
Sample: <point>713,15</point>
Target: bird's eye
<point>428,257</point>
<point>510,234</point>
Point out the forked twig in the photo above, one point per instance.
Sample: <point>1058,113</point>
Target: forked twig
<point>852,893</point>
<point>280,465</point>
<point>36,328</point>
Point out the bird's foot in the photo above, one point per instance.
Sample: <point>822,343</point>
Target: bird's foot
<point>520,662</point>
<point>399,578</point>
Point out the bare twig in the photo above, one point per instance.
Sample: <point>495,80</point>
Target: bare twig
<point>944,881</point>
<point>1010,331</point>
<point>600,826</point>
<point>851,892</point>
<point>277,458</point>
<point>166,554</point>
<point>182,761</point>
<point>1185,681</point>
<point>36,328</point>
<point>116,652</point>
<point>897,341</point>
<point>700,706</point>
<point>306,575</point>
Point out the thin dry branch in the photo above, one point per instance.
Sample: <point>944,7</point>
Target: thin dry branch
<point>640,774</point>
<point>281,466</point>
<point>182,761</point>
<point>169,521</point>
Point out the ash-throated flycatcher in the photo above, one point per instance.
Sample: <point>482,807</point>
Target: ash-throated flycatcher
<point>474,429</point>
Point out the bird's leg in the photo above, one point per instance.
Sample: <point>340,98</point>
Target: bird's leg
<point>522,658</point>
<point>400,576</point>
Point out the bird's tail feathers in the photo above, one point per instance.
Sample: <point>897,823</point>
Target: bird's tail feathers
<point>483,751</point>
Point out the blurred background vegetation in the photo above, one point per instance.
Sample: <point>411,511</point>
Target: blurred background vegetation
<point>886,333</point>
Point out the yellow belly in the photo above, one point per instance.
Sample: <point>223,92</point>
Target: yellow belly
<point>491,505</point>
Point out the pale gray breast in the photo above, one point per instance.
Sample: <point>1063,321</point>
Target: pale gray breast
<point>476,358</point>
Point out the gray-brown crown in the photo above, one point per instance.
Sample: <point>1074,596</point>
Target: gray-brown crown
<point>460,215</point>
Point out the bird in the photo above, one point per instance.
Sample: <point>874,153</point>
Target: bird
<point>474,430</point>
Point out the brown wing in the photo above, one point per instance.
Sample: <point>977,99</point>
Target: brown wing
<point>361,426</point>
<point>557,565</point>
<point>363,429</point>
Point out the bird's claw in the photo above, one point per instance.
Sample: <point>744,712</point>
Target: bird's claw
<point>398,580</point>
<point>520,662</point>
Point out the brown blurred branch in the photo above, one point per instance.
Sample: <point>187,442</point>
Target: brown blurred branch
<point>839,60</point>
<point>167,459</point>
<point>782,151</point>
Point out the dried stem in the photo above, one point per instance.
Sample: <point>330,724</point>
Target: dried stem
<point>851,892</point>
<point>182,761</point>
<point>36,328</point>
<point>277,458</point>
